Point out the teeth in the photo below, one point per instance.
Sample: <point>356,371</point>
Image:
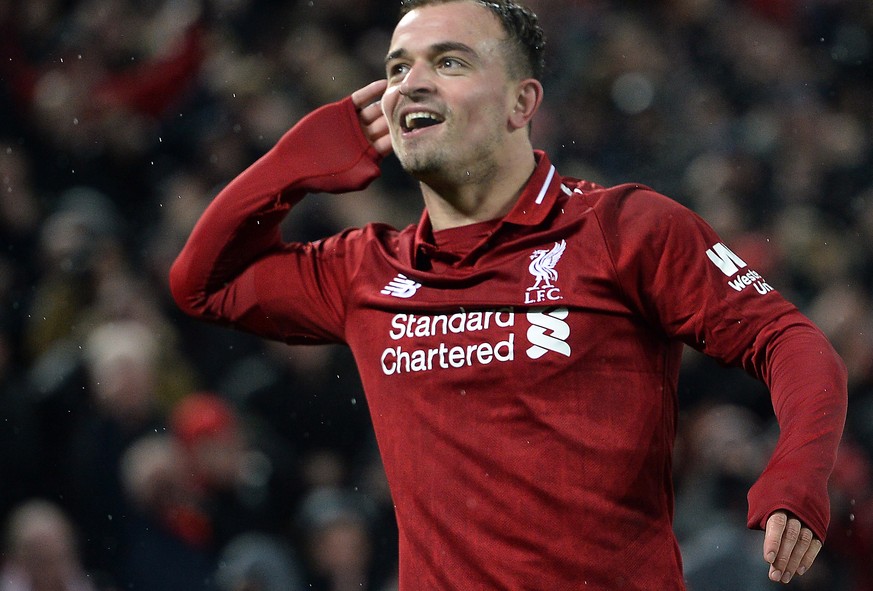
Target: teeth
<point>421,119</point>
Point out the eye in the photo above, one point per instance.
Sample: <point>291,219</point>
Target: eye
<point>450,63</point>
<point>398,69</point>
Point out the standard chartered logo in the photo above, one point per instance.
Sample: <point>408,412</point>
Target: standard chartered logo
<point>433,336</point>
<point>548,332</point>
<point>500,347</point>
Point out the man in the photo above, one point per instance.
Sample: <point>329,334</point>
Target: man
<point>520,345</point>
<point>40,550</point>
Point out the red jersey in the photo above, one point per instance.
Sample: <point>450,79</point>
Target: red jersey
<point>524,394</point>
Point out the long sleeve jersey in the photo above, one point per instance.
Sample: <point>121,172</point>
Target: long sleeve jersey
<point>523,396</point>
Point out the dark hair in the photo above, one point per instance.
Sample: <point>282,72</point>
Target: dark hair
<point>524,34</point>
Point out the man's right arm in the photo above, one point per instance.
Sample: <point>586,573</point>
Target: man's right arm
<point>335,149</point>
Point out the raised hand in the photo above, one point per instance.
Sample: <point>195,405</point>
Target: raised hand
<point>372,118</point>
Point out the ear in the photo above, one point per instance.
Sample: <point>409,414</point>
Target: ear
<point>528,97</point>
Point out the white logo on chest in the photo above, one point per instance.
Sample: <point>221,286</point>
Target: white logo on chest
<point>548,332</point>
<point>542,267</point>
<point>401,287</point>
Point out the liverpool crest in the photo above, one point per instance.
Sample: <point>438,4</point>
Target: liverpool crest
<point>542,267</point>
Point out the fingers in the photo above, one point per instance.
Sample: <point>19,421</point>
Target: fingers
<point>371,114</point>
<point>369,94</point>
<point>375,127</point>
<point>773,535</point>
<point>789,547</point>
<point>373,121</point>
<point>809,557</point>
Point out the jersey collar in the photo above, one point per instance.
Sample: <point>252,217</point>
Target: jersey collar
<point>539,194</point>
<point>532,207</point>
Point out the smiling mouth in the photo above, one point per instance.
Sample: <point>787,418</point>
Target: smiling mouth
<point>420,120</point>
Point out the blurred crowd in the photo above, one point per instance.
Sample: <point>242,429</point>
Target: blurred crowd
<point>143,450</point>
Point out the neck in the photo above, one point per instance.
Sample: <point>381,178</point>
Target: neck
<point>476,198</point>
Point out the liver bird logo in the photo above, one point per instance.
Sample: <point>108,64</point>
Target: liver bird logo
<point>542,265</point>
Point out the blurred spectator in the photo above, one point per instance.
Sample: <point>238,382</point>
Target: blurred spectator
<point>122,406</point>
<point>166,534</point>
<point>40,551</point>
<point>311,398</point>
<point>722,452</point>
<point>240,481</point>
<point>336,530</point>
<point>78,248</point>
<point>258,562</point>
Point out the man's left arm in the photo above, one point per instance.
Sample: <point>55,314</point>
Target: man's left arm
<point>808,387</point>
<point>681,276</point>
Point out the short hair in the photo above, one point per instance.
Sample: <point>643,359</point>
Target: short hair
<point>525,36</point>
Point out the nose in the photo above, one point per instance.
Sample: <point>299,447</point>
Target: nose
<point>418,80</point>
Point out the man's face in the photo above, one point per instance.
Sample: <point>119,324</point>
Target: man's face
<point>448,95</point>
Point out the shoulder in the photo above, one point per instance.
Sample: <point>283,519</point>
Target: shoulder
<point>382,233</point>
<point>626,197</point>
<point>375,237</point>
<point>630,207</point>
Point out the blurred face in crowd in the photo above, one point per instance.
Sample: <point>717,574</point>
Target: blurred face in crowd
<point>43,546</point>
<point>450,97</point>
<point>218,458</point>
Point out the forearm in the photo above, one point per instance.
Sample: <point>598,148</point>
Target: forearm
<point>240,226</point>
<point>325,152</point>
<point>807,381</point>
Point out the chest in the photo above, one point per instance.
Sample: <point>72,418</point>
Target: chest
<point>540,307</point>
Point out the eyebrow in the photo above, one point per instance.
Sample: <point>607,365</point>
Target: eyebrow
<point>436,49</point>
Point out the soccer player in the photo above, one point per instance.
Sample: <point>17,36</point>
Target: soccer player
<point>519,346</point>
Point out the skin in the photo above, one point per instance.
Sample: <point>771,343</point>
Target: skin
<point>789,546</point>
<point>447,59</point>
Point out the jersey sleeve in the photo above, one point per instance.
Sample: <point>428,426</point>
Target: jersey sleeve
<point>677,273</point>
<point>235,268</point>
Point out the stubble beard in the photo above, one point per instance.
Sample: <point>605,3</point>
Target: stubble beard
<point>422,165</point>
<point>443,165</point>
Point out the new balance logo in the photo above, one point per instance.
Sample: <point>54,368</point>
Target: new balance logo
<point>401,287</point>
<point>725,259</point>
<point>548,332</point>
